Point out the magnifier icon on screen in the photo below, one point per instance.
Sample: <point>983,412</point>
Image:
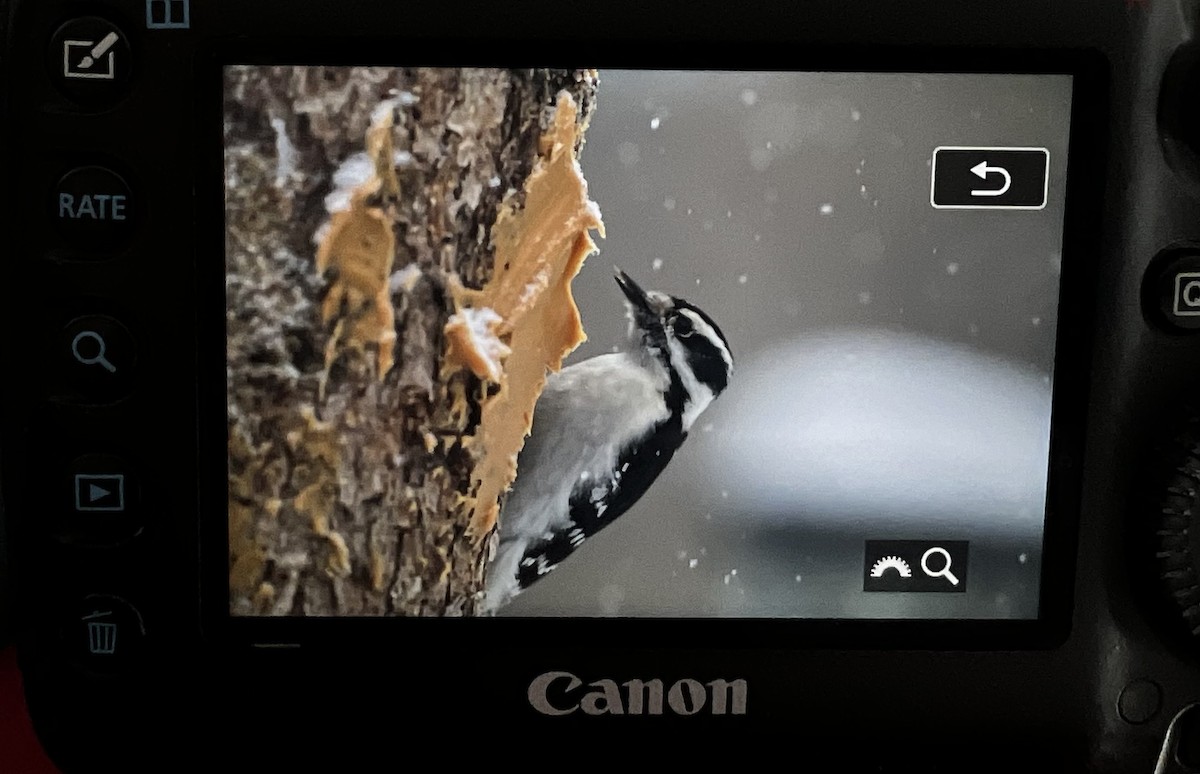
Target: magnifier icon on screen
<point>944,572</point>
<point>95,347</point>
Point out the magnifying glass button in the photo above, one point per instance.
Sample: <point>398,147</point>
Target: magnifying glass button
<point>96,356</point>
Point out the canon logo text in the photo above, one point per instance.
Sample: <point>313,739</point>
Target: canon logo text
<point>562,693</point>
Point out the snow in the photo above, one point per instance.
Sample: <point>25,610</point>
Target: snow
<point>692,563</point>
<point>655,122</point>
<point>354,171</point>
<point>952,268</point>
<point>285,153</point>
<point>749,97</point>
<point>338,201</point>
<point>743,279</point>
<point>656,264</point>
<point>826,209</point>
<point>405,278</point>
<point>669,204</point>
<point>536,285</point>
<point>874,428</point>
<point>479,324</point>
<point>855,115</point>
<point>380,111</point>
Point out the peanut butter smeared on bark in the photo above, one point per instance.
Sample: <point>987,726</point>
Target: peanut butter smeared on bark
<point>523,323</point>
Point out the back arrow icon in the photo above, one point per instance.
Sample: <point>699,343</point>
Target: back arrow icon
<point>982,169</point>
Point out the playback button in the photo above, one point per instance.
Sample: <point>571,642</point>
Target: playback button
<point>100,497</point>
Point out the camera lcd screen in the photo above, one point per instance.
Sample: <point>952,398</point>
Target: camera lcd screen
<point>821,315</point>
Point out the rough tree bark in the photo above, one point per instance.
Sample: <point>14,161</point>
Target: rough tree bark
<point>364,209</point>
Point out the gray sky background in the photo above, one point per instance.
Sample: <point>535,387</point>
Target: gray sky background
<point>893,360</point>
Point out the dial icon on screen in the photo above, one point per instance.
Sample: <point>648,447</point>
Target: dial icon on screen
<point>891,563</point>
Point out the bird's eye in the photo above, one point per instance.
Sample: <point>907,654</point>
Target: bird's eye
<point>682,325</point>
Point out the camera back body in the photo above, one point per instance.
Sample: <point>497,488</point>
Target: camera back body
<point>893,395</point>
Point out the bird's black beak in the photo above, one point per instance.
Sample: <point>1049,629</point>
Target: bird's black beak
<point>642,308</point>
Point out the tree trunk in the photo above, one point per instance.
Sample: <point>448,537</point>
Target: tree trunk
<point>377,345</point>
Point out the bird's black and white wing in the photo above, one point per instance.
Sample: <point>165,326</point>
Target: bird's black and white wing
<point>601,468</point>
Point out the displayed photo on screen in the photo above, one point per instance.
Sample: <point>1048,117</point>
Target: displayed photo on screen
<point>588,343</point>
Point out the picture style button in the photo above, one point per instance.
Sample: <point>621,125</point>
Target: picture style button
<point>90,61</point>
<point>95,357</point>
<point>100,499</point>
<point>978,178</point>
<point>92,207</point>
<point>105,633</point>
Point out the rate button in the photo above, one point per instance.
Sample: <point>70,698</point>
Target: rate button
<point>92,207</point>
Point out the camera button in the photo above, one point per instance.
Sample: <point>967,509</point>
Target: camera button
<point>92,207</point>
<point>105,633</point>
<point>90,61</point>
<point>1174,290</point>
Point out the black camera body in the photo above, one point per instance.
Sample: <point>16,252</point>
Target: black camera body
<point>117,422</point>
